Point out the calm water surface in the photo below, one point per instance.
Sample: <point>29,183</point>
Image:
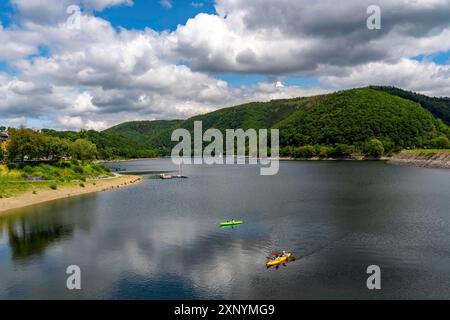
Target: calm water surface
<point>160,240</point>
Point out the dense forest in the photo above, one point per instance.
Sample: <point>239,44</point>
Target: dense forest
<point>359,121</point>
<point>109,146</point>
<point>440,107</point>
<point>355,121</point>
<point>157,134</point>
<point>153,134</point>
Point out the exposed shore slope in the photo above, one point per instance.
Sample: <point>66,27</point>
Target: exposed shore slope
<point>422,159</point>
<point>45,195</point>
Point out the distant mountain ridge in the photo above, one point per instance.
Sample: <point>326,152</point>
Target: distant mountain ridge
<point>439,106</point>
<point>349,118</point>
<point>157,134</point>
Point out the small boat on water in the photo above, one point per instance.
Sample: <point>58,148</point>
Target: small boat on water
<point>230,224</point>
<point>279,259</point>
<point>180,175</point>
<point>164,176</point>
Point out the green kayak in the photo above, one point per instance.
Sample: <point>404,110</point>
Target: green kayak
<point>230,223</point>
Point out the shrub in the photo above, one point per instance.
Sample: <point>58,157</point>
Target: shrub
<point>83,149</point>
<point>323,151</point>
<point>53,186</point>
<point>441,142</point>
<point>374,148</point>
<point>343,150</point>
<point>77,169</point>
<point>304,152</point>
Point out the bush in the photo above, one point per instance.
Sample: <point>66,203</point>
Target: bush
<point>343,150</point>
<point>83,149</point>
<point>304,152</point>
<point>53,186</point>
<point>82,185</point>
<point>441,142</point>
<point>78,169</point>
<point>374,148</point>
<point>323,151</point>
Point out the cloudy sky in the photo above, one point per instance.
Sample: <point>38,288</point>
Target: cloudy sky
<point>120,60</point>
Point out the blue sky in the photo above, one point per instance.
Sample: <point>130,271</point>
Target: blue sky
<point>6,11</point>
<point>441,58</point>
<point>152,14</point>
<point>143,13</point>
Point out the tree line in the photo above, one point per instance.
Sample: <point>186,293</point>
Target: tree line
<point>31,145</point>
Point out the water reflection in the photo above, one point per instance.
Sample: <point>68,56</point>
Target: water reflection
<point>31,231</point>
<point>161,240</point>
<point>31,236</point>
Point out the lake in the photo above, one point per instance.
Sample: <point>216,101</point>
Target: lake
<point>160,239</point>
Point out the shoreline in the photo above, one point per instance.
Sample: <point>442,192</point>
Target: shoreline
<point>126,160</point>
<point>350,158</point>
<point>28,198</point>
<point>436,160</point>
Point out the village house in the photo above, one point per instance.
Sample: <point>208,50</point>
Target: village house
<point>3,135</point>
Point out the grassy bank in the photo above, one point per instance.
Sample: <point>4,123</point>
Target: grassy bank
<point>18,178</point>
<point>64,190</point>
<point>426,152</point>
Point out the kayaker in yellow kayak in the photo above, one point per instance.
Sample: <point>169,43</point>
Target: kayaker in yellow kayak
<point>278,259</point>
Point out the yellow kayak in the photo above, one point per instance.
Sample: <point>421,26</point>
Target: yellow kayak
<point>280,260</point>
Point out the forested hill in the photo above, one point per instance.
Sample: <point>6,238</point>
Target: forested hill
<point>109,146</point>
<point>361,121</point>
<point>440,107</point>
<point>157,134</point>
<point>354,119</point>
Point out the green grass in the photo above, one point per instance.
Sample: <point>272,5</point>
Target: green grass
<point>14,177</point>
<point>426,152</point>
<point>10,189</point>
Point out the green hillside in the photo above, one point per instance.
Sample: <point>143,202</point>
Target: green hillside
<point>157,134</point>
<point>154,134</point>
<point>440,107</point>
<point>256,115</point>
<point>358,121</point>
<point>109,146</point>
<point>352,119</point>
<point>371,121</point>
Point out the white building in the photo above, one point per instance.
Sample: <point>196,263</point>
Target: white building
<point>4,135</point>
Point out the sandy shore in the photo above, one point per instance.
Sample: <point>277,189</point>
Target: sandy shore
<point>44,195</point>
